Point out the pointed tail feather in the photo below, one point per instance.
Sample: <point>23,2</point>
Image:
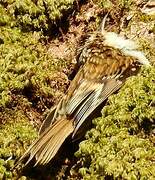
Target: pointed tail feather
<point>51,118</point>
<point>47,145</point>
<point>48,121</point>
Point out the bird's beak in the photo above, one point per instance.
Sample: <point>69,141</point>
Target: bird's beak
<point>103,24</point>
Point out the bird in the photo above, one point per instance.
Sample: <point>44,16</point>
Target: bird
<point>106,59</point>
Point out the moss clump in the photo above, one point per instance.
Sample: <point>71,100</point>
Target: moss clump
<point>119,4</point>
<point>15,136</point>
<point>121,146</point>
<point>38,15</point>
<point>26,66</point>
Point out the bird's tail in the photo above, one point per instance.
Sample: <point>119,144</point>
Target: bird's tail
<point>47,145</point>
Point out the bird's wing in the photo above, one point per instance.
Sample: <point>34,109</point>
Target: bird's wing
<point>98,79</point>
<point>98,96</point>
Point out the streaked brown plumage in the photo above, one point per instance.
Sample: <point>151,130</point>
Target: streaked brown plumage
<point>105,64</point>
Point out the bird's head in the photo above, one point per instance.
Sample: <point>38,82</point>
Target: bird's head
<point>127,46</point>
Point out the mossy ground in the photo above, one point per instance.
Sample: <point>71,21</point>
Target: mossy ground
<point>35,62</point>
<point>31,79</point>
<point>15,136</point>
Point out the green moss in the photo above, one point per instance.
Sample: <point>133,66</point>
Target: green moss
<point>105,4</point>
<point>38,15</point>
<point>5,19</point>
<point>119,4</point>
<point>121,145</point>
<point>148,48</point>
<point>125,3</point>
<point>15,137</point>
<point>25,63</point>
